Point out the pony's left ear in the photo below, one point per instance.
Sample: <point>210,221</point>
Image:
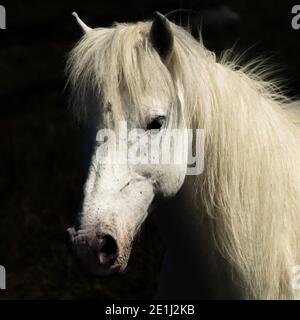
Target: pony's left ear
<point>85,29</point>
<point>161,36</point>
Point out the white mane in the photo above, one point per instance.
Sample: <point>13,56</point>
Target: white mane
<point>251,184</point>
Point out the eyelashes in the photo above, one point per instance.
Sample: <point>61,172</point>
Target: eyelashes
<point>154,124</point>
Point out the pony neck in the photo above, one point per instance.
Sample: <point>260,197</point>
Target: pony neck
<point>192,267</point>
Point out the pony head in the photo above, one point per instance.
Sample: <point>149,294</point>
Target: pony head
<point>121,76</point>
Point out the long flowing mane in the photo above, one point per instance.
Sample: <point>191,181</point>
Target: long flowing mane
<point>250,186</point>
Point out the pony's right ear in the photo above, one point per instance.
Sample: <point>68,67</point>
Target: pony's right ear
<point>85,29</point>
<point>161,36</point>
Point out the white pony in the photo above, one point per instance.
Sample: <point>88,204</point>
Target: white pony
<point>234,230</point>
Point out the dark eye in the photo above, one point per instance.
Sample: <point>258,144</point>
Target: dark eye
<point>156,123</point>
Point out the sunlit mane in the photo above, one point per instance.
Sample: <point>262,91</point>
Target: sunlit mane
<point>251,183</point>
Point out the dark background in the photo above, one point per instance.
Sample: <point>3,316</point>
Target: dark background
<point>40,147</point>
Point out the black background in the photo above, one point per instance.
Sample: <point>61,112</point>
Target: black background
<point>40,147</point>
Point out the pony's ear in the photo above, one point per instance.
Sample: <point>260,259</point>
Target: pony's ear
<point>85,29</point>
<point>161,36</point>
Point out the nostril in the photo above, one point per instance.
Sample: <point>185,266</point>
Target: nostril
<point>110,246</point>
<point>108,251</point>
